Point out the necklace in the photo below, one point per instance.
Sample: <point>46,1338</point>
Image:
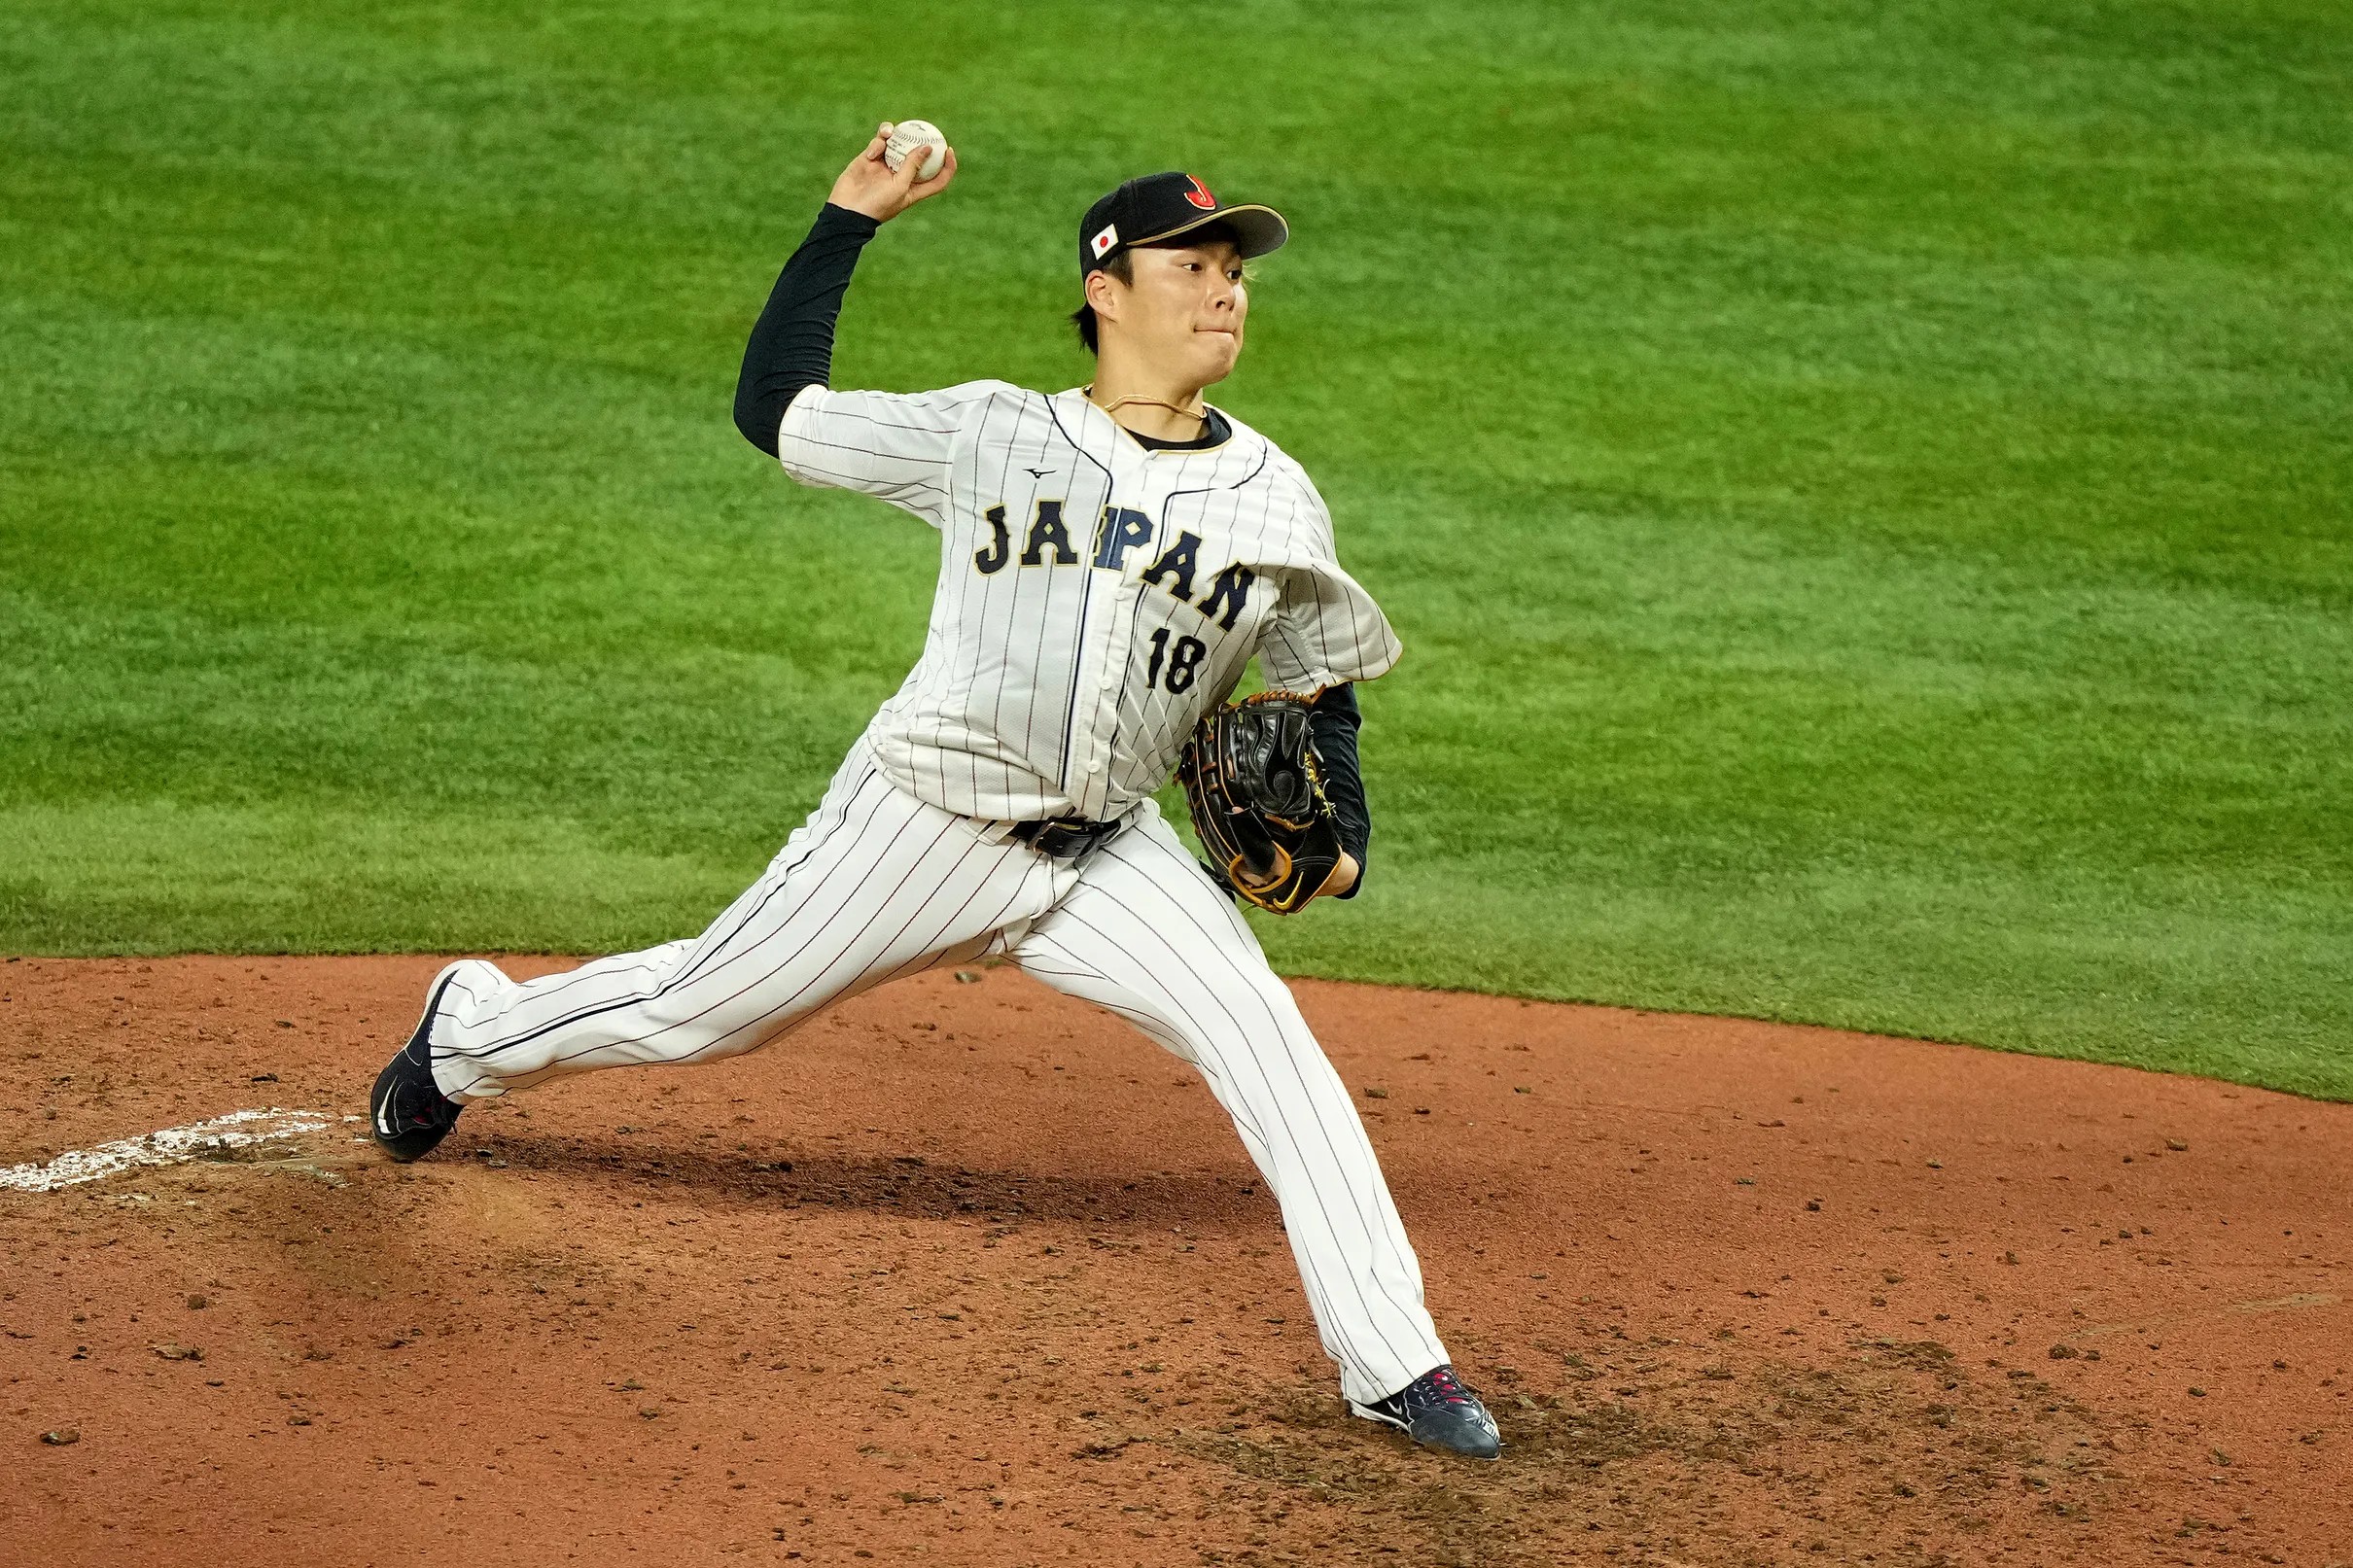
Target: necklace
<point>1198,415</point>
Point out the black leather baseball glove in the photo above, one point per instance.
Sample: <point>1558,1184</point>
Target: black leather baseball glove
<point>1253,781</point>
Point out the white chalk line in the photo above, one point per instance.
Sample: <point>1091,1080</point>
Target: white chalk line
<point>173,1145</point>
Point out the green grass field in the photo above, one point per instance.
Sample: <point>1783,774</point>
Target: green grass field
<point>1867,488</point>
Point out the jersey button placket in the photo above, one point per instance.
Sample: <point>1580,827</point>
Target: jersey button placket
<point>1110,680</point>
<point>1117,601</point>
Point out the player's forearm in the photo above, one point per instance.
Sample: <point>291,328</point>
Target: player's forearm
<point>1334,721</point>
<point>792,346</point>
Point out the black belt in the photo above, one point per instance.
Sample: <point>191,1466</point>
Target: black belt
<point>1066,838</point>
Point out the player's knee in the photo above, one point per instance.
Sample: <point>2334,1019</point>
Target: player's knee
<point>1257,1011</point>
<point>666,1018</point>
<point>1269,992</point>
<point>673,1027</point>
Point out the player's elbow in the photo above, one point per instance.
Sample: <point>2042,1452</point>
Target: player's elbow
<point>759,418</point>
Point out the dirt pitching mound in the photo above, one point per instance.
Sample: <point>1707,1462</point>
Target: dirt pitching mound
<point>967,1272</point>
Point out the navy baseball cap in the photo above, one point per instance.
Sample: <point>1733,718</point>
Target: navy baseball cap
<point>1154,208</point>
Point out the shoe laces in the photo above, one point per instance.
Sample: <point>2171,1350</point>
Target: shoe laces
<point>1435,1390</point>
<point>1445,1388</point>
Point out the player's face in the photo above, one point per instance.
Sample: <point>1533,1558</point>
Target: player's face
<point>1185,312</point>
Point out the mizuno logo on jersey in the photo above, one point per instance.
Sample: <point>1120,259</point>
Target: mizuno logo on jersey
<point>1119,533</point>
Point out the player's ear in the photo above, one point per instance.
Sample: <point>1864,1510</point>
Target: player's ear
<point>1102,293</point>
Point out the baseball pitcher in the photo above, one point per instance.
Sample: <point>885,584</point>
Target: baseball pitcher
<point>1110,559</point>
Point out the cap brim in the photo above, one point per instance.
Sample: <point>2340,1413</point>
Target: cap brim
<point>1256,230</point>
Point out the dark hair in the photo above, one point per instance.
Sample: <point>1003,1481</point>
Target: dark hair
<point>1122,265</point>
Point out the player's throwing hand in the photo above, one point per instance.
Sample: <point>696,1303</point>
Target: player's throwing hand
<point>872,187</point>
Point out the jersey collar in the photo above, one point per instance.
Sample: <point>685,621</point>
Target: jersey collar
<point>1112,445</point>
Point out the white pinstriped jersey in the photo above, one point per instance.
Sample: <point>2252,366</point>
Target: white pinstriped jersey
<point>1095,598</point>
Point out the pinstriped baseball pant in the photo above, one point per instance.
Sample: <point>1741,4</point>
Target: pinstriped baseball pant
<point>877,885</point>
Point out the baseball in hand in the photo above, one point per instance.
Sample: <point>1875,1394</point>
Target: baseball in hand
<point>908,135</point>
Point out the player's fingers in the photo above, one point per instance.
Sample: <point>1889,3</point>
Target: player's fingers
<point>904,176</point>
<point>938,181</point>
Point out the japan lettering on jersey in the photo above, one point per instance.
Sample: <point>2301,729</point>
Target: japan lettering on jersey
<point>1095,597</point>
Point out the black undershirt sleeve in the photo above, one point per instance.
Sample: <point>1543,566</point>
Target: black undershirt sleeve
<point>792,345</point>
<point>1334,719</point>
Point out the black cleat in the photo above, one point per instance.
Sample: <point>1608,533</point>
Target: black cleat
<point>407,1112</point>
<point>1436,1411</point>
